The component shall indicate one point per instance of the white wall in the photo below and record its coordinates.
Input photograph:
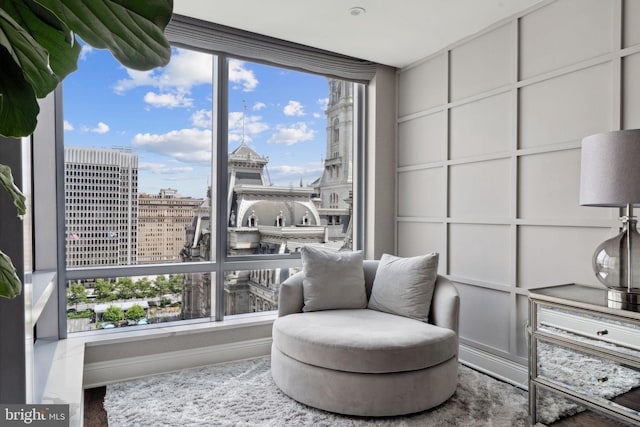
(488, 160)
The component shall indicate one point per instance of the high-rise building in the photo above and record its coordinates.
(335, 185)
(162, 221)
(101, 213)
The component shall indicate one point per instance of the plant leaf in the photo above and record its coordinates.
(10, 284)
(52, 34)
(18, 105)
(6, 180)
(25, 50)
(132, 31)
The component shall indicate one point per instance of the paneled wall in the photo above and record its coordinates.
(488, 160)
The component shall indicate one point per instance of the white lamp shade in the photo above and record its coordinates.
(610, 169)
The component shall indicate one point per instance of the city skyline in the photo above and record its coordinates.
(164, 116)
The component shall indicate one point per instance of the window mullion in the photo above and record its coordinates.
(221, 86)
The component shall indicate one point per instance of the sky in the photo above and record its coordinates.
(165, 117)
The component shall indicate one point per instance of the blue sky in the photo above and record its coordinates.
(164, 116)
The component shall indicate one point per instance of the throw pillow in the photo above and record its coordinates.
(404, 286)
(332, 280)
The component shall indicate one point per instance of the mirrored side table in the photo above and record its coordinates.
(584, 356)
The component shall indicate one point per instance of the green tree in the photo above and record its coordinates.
(76, 294)
(175, 284)
(161, 285)
(39, 48)
(136, 312)
(103, 291)
(143, 288)
(125, 288)
(113, 314)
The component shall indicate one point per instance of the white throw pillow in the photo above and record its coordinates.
(404, 286)
(333, 280)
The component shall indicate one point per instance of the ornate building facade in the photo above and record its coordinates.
(267, 219)
(162, 221)
(334, 187)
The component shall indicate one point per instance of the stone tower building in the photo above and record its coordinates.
(336, 183)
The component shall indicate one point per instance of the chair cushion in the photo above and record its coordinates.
(363, 340)
(332, 280)
(404, 286)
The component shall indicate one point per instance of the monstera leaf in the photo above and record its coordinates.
(39, 48)
(10, 284)
(6, 181)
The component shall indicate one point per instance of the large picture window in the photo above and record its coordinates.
(190, 189)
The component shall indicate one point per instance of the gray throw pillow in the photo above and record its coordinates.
(332, 280)
(404, 286)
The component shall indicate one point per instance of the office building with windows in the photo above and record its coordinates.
(101, 206)
(162, 220)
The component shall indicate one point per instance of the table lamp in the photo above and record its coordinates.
(610, 177)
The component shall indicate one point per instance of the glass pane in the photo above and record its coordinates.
(252, 291)
(290, 162)
(609, 382)
(138, 160)
(117, 302)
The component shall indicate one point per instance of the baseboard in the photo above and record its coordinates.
(498, 367)
(102, 373)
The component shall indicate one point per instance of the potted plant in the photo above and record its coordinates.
(39, 47)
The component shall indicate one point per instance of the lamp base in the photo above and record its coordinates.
(624, 299)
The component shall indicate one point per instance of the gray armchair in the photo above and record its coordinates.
(365, 362)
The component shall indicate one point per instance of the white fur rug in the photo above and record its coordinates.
(244, 394)
(579, 372)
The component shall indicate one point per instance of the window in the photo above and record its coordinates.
(189, 190)
(335, 142)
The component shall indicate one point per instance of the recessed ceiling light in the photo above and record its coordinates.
(357, 11)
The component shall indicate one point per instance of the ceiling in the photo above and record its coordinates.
(391, 32)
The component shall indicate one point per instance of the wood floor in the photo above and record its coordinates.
(630, 399)
(96, 416)
(94, 413)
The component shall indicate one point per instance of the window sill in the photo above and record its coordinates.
(69, 370)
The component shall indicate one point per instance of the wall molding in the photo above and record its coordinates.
(495, 366)
(102, 373)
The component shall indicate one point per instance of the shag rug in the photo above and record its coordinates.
(244, 394)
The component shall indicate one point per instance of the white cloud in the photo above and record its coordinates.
(102, 128)
(85, 51)
(186, 145)
(317, 115)
(161, 168)
(258, 106)
(186, 69)
(292, 134)
(68, 126)
(168, 100)
(202, 119)
(253, 125)
(136, 79)
(240, 75)
(289, 170)
(294, 108)
(292, 174)
(237, 137)
(323, 103)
